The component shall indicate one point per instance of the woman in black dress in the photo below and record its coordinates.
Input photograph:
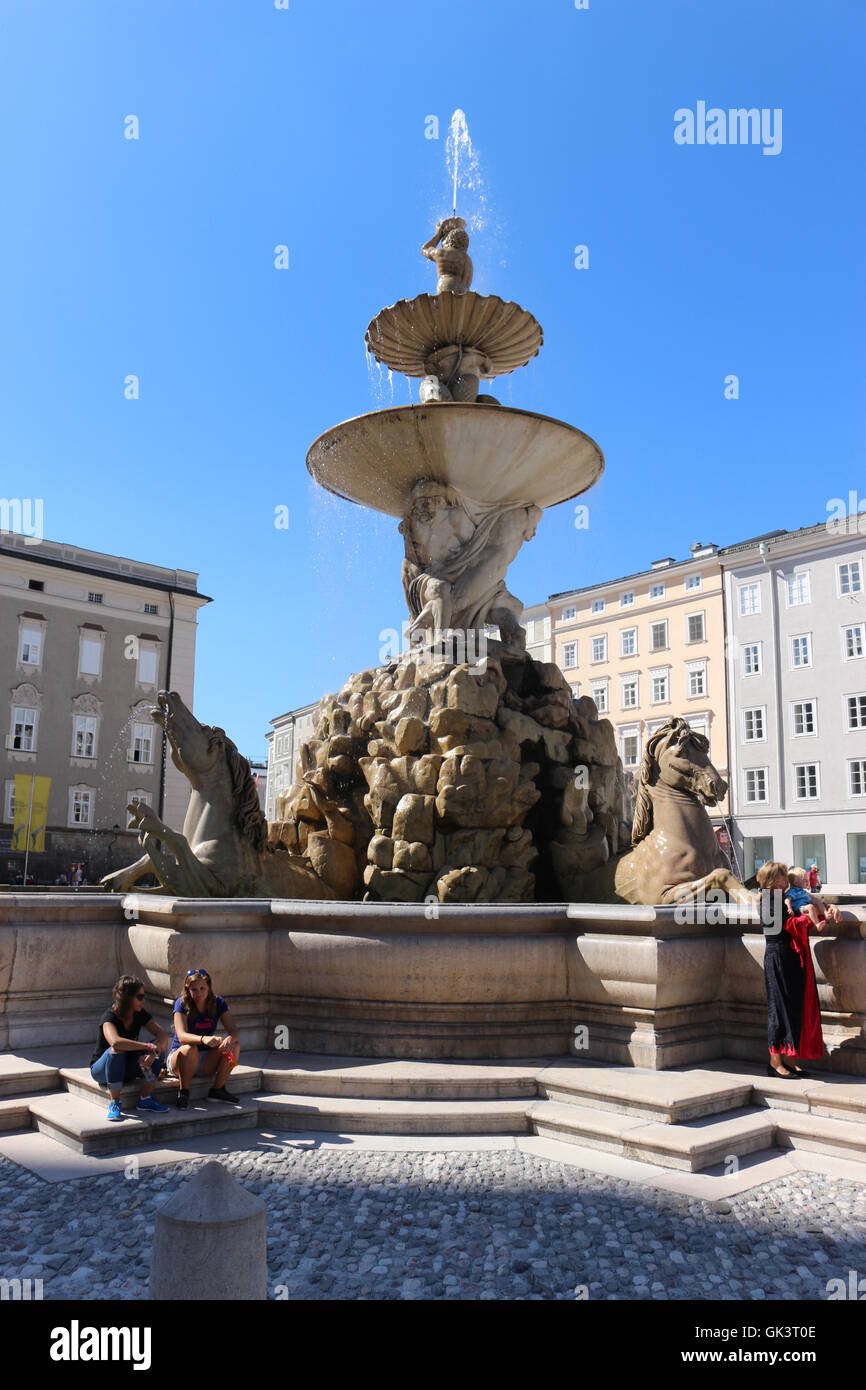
(787, 982)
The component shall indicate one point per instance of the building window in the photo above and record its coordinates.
(142, 743)
(80, 806)
(148, 663)
(94, 598)
(754, 725)
(30, 646)
(599, 648)
(806, 786)
(801, 650)
(693, 582)
(809, 850)
(857, 776)
(598, 605)
(628, 692)
(570, 653)
(627, 600)
(756, 783)
(628, 641)
(856, 711)
(152, 608)
(852, 641)
(757, 850)
(798, 589)
(659, 635)
(695, 627)
(38, 584)
(23, 729)
(90, 655)
(696, 679)
(657, 591)
(856, 858)
(850, 578)
(9, 802)
(575, 690)
(568, 614)
(660, 686)
(84, 736)
(629, 747)
(137, 794)
(803, 718)
(598, 691)
(750, 599)
(752, 659)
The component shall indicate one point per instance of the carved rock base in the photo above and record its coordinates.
(462, 783)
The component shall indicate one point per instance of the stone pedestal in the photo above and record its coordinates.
(209, 1242)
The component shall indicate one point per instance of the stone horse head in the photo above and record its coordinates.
(216, 771)
(677, 757)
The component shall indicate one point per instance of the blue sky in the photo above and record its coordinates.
(306, 127)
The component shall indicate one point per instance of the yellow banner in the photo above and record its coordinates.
(38, 812)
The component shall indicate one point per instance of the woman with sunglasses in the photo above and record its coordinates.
(119, 1057)
(197, 1013)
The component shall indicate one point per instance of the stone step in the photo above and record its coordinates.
(587, 1125)
(665, 1096)
(79, 1082)
(825, 1092)
(303, 1074)
(353, 1115)
(23, 1075)
(15, 1111)
(840, 1100)
(82, 1126)
(821, 1134)
(692, 1147)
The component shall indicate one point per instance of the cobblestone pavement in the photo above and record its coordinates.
(460, 1225)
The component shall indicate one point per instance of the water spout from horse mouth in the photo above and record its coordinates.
(715, 791)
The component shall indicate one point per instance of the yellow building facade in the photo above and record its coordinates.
(649, 646)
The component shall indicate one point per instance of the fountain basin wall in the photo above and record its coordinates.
(382, 980)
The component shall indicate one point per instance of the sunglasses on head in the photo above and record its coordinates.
(201, 972)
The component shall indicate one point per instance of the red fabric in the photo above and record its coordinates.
(811, 1038)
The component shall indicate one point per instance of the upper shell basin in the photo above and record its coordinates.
(404, 335)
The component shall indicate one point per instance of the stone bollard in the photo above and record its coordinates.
(209, 1241)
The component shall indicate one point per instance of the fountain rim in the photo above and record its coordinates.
(419, 410)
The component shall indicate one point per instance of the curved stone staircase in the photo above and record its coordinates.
(691, 1119)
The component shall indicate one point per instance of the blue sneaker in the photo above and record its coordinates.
(114, 1112)
(148, 1103)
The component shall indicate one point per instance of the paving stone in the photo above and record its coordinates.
(462, 1224)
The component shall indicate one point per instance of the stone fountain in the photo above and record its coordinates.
(457, 764)
(458, 870)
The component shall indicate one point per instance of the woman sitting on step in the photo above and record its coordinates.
(197, 1013)
(119, 1058)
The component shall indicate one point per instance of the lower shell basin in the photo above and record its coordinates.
(490, 453)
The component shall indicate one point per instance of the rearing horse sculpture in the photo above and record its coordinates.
(223, 851)
(675, 856)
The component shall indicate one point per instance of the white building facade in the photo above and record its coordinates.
(796, 666)
(285, 737)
